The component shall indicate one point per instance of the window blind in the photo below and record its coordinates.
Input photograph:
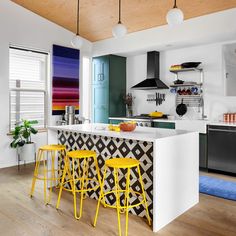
(27, 82)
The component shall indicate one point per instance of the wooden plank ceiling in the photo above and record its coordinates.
(98, 16)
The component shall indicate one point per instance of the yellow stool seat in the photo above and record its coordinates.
(53, 147)
(125, 192)
(81, 154)
(48, 174)
(121, 163)
(76, 174)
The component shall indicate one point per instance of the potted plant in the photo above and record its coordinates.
(22, 139)
(128, 100)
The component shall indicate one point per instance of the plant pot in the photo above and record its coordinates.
(27, 152)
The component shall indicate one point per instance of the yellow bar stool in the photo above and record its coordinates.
(116, 164)
(79, 160)
(45, 154)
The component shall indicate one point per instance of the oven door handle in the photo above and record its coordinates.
(223, 130)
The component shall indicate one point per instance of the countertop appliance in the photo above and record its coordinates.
(222, 148)
(153, 74)
(70, 115)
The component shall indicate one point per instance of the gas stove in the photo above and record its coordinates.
(146, 120)
(147, 117)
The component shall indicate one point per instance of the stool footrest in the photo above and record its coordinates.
(80, 190)
(120, 206)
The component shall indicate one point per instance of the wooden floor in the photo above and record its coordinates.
(21, 215)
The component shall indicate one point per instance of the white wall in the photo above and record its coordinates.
(19, 26)
(182, 43)
(212, 61)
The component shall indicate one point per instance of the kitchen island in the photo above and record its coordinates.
(168, 160)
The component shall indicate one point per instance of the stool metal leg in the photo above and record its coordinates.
(100, 197)
(66, 166)
(82, 190)
(61, 154)
(144, 197)
(85, 171)
(44, 179)
(98, 172)
(52, 177)
(86, 177)
(36, 170)
(98, 176)
(127, 202)
(117, 198)
(70, 176)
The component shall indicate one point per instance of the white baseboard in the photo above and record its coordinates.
(14, 163)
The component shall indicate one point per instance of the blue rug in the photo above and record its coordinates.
(217, 187)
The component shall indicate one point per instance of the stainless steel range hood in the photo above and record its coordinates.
(153, 74)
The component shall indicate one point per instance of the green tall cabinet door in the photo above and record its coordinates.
(109, 87)
(117, 86)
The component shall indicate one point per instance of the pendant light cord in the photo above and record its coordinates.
(77, 33)
(175, 4)
(119, 22)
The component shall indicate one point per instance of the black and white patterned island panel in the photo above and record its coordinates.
(168, 163)
(108, 147)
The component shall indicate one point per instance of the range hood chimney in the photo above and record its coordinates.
(153, 74)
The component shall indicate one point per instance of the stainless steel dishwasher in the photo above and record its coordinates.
(222, 148)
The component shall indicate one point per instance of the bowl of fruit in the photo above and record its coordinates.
(128, 126)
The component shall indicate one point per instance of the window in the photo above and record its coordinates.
(28, 86)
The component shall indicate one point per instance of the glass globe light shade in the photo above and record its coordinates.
(174, 17)
(77, 41)
(119, 30)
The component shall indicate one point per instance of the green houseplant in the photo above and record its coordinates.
(22, 133)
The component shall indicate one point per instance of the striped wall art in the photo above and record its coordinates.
(65, 84)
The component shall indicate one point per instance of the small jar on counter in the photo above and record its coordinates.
(226, 117)
(230, 117)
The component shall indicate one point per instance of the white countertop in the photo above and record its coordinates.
(222, 123)
(140, 133)
(180, 124)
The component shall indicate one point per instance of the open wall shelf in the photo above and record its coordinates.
(194, 100)
(186, 69)
(186, 85)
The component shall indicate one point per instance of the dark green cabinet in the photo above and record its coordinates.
(115, 122)
(109, 87)
(203, 151)
(164, 125)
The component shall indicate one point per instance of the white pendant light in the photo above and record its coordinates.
(174, 16)
(119, 30)
(77, 41)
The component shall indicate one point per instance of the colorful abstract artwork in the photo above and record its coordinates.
(65, 84)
